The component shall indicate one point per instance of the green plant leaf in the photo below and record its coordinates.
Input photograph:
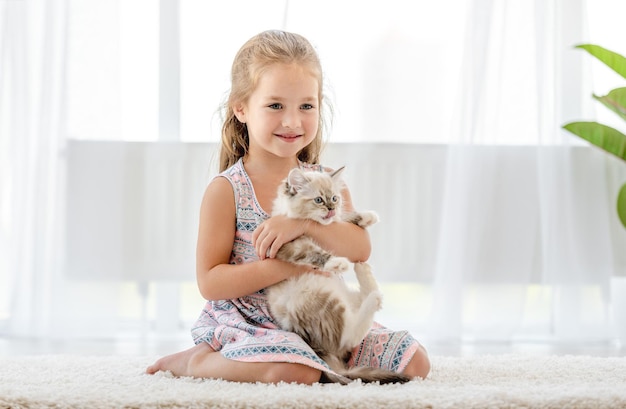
(615, 101)
(605, 137)
(612, 59)
(621, 204)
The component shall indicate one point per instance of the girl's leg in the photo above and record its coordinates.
(419, 365)
(201, 361)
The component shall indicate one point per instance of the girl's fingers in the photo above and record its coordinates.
(264, 245)
(273, 249)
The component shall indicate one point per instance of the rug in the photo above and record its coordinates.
(490, 381)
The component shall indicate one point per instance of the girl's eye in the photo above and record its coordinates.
(306, 107)
(275, 106)
(318, 200)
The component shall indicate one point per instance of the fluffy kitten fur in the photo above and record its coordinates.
(332, 318)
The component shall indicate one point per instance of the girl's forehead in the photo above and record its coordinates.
(288, 77)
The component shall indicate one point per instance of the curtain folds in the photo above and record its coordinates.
(524, 250)
(32, 73)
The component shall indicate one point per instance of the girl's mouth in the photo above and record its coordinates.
(288, 137)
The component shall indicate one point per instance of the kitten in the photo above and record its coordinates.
(332, 318)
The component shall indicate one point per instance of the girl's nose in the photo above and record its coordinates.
(291, 119)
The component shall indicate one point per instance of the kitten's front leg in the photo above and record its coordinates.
(362, 219)
(305, 251)
(327, 262)
(336, 265)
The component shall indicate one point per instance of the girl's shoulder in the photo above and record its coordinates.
(234, 169)
(235, 175)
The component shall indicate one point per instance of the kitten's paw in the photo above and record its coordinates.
(375, 300)
(362, 269)
(336, 265)
(368, 218)
(361, 219)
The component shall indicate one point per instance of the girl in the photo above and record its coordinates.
(273, 123)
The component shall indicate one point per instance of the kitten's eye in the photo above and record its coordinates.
(318, 200)
(335, 199)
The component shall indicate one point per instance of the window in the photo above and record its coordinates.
(112, 70)
(114, 53)
(398, 64)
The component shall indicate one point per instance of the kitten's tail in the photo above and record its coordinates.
(366, 375)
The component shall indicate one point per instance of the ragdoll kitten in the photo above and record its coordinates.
(330, 317)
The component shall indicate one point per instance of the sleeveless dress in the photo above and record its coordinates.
(242, 329)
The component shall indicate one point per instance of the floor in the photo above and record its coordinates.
(158, 345)
(150, 345)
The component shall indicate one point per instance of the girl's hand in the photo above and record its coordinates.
(270, 236)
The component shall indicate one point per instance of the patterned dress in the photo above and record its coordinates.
(242, 329)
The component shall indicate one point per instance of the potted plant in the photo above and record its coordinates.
(602, 136)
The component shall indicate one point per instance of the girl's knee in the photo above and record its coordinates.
(419, 366)
(292, 373)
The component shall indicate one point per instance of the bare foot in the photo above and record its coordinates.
(178, 363)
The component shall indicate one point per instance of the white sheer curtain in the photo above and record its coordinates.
(32, 75)
(37, 296)
(506, 248)
(524, 248)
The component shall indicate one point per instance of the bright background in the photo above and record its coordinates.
(497, 224)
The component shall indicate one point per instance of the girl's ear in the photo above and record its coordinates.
(240, 112)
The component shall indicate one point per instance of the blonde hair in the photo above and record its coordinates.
(252, 59)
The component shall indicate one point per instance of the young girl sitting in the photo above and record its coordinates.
(273, 123)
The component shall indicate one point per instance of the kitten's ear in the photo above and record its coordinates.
(337, 173)
(296, 180)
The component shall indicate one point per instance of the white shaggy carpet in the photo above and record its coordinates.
(490, 381)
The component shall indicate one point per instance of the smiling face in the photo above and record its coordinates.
(282, 114)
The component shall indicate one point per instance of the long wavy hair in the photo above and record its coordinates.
(252, 60)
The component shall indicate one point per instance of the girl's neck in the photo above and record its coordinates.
(266, 175)
(269, 166)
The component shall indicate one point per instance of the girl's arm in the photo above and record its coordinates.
(340, 238)
(217, 279)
